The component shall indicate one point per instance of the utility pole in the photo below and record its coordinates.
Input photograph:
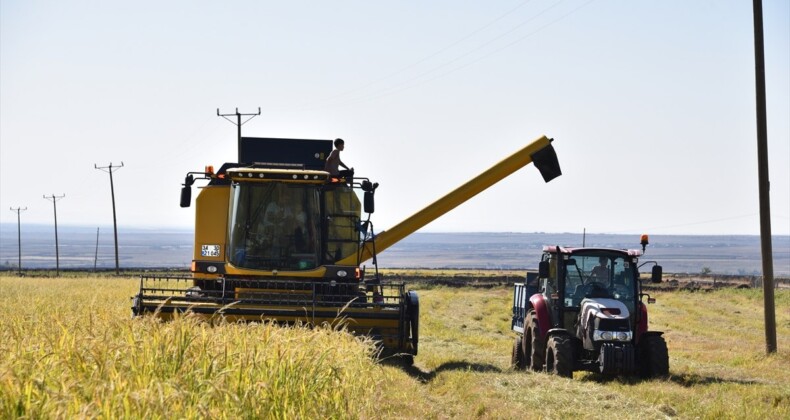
(109, 170)
(19, 210)
(763, 181)
(55, 199)
(96, 255)
(238, 124)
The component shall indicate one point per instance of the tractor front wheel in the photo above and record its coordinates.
(559, 356)
(654, 356)
(534, 347)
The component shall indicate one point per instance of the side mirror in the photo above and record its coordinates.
(369, 202)
(656, 274)
(370, 189)
(543, 269)
(186, 196)
(186, 190)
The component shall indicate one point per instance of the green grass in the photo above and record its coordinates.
(71, 349)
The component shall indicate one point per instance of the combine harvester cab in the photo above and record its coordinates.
(584, 311)
(277, 238)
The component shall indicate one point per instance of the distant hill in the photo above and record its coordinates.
(172, 248)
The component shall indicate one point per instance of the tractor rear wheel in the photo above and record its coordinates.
(559, 356)
(654, 356)
(534, 347)
(517, 359)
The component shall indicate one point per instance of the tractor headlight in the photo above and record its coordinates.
(611, 335)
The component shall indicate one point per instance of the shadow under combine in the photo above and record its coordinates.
(425, 377)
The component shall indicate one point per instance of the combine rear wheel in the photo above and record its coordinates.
(654, 356)
(559, 356)
(534, 347)
(517, 359)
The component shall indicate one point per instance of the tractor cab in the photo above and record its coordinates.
(587, 275)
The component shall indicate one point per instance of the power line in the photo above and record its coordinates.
(54, 198)
(109, 169)
(480, 47)
(428, 57)
(404, 85)
(701, 222)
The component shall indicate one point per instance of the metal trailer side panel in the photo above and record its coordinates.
(519, 308)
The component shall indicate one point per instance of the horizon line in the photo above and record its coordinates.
(189, 229)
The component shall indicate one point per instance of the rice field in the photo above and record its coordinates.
(71, 350)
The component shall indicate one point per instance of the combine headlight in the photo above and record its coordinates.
(611, 335)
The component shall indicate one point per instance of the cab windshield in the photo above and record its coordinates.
(274, 226)
(601, 276)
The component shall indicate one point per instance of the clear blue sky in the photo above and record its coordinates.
(651, 105)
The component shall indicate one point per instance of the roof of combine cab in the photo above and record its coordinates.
(308, 154)
(277, 154)
(571, 250)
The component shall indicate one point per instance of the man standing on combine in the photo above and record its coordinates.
(333, 162)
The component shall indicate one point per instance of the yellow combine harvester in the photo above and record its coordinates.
(277, 238)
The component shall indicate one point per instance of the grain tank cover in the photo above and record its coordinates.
(310, 153)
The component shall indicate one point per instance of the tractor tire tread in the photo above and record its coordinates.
(534, 345)
(518, 358)
(559, 356)
(654, 357)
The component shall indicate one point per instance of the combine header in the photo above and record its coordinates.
(278, 238)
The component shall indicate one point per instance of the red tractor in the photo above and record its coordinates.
(584, 311)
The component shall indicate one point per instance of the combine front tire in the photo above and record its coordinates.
(654, 356)
(559, 356)
(517, 359)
